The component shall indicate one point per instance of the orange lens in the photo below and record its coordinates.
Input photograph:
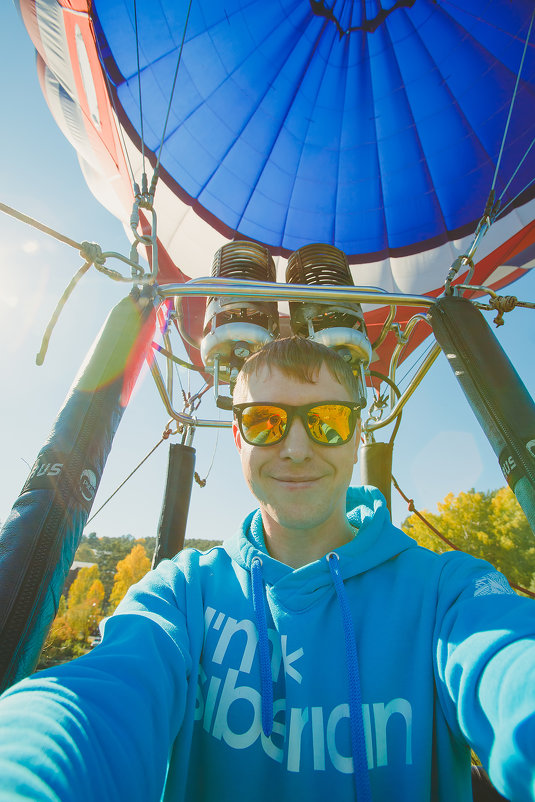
(264, 425)
(330, 423)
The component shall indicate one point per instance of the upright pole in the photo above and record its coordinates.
(376, 468)
(497, 395)
(40, 537)
(175, 506)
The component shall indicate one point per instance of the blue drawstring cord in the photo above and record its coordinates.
(358, 740)
(266, 684)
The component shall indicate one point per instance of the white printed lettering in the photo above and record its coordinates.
(381, 714)
(291, 658)
(219, 620)
(366, 718)
(289, 742)
(340, 762)
(298, 720)
(208, 615)
(231, 627)
(229, 695)
(276, 654)
(318, 740)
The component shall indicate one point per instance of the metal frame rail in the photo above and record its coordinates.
(273, 291)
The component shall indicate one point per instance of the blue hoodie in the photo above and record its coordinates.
(227, 675)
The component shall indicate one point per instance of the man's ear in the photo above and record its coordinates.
(236, 434)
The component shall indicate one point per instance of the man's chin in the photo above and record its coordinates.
(302, 520)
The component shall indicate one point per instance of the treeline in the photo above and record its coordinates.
(113, 565)
(489, 525)
(106, 552)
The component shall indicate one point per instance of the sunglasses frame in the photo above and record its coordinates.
(301, 412)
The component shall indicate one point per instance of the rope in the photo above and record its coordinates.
(479, 18)
(412, 508)
(415, 363)
(93, 255)
(502, 304)
(196, 397)
(139, 88)
(518, 194)
(172, 89)
(165, 436)
(520, 163)
(202, 482)
(512, 102)
(492, 208)
(89, 251)
(361, 776)
(24, 218)
(380, 402)
(40, 358)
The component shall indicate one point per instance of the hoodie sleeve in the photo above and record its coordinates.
(101, 727)
(485, 667)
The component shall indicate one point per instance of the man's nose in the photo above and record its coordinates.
(297, 445)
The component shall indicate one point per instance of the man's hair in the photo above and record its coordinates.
(299, 359)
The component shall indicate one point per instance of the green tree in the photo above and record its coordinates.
(78, 616)
(76, 621)
(84, 605)
(201, 544)
(60, 644)
(149, 544)
(85, 553)
(489, 525)
(129, 571)
(82, 585)
(107, 551)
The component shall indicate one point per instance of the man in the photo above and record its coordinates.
(316, 655)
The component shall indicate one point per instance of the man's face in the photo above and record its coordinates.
(299, 484)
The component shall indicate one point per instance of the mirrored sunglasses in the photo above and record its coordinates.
(331, 423)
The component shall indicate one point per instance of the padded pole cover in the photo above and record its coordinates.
(494, 390)
(40, 537)
(174, 515)
(376, 468)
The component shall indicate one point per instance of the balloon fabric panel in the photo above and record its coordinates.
(378, 134)
(289, 134)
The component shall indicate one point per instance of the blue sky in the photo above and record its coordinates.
(439, 447)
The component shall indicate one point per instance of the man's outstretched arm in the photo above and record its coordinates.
(486, 672)
(100, 728)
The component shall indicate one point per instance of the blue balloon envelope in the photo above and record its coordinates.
(373, 126)
(297, 122)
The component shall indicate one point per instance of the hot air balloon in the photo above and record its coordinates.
(374, 127)
(390, 132)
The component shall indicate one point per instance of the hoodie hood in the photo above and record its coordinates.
(376, 541)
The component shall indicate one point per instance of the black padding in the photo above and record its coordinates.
(174, 515)
(497, 395)
(376, 468)
(40, 537)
